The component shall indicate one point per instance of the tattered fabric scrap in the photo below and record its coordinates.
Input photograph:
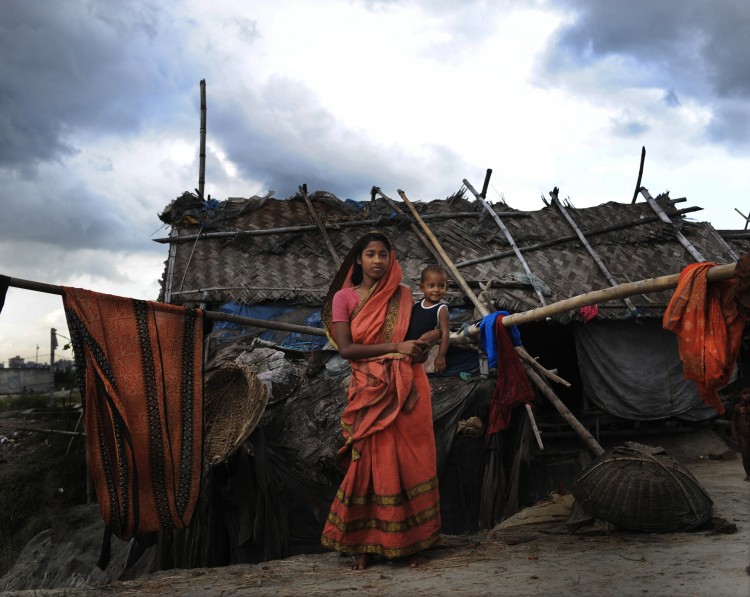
(512, 387)
(139, 367)
(588, 312)
(709, 329)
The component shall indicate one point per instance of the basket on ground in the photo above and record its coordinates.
(642, 488)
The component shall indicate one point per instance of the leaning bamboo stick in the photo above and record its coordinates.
(504, 229)
(577, 426)
(319, 224)
(689, 247)
(469, 293)
(572, 237)
(52, 431)
(594, 255)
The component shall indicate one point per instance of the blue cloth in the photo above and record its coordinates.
(487, 336)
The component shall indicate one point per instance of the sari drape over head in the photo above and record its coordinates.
(388, 502)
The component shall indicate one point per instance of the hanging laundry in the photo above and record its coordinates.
(487, 336)
(139, 367)
(709, 329)
(588, 312)
(513, 387)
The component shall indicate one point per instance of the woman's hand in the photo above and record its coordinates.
(439, 365)
(412, 348)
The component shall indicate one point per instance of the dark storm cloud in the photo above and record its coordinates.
(72, 67)
(690, 48)
(305, 144)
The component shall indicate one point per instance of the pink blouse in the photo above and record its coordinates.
(344, 303)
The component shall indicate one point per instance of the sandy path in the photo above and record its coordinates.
(541, 562)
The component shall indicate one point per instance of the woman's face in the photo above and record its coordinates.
(375, 260)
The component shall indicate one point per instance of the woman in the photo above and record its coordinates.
(388, 502)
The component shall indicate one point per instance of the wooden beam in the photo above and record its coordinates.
(319, 224)
(412, 225)
(594, 255)
(508, 237)
(665, 218)
(564, 239)
(394, 221)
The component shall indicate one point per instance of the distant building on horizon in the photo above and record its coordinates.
(16, 362)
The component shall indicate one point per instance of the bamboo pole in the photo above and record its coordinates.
(564, 239)
(465, 287)
(582, 432)
(594, 255)
(52, 431)
(202, 171)
(393, 221)
(319, 224)
(429, 246)
(447, 260)
(665, 218)
(508, 236)
(212, 315)
(715, 274)
(640, 175)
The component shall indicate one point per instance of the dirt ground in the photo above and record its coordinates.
(541, 559)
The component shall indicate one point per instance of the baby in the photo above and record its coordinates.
(431, 314)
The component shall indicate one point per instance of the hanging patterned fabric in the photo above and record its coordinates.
(709, 327)
(139, 367)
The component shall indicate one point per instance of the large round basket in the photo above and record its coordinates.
(234, 399)
(643, 489)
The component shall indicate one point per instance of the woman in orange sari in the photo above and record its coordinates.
(388, 502)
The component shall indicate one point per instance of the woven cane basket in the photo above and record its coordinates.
(643, 489)
(234, 400)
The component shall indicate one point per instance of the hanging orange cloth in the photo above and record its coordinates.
(709, 329)
(139, 367)
(388, 502)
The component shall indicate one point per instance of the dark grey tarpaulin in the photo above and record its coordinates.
(633, 370)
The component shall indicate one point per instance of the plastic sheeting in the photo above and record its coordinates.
(633, 370)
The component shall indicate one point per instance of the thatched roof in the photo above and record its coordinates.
(294, 266)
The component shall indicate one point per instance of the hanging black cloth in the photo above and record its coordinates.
(4, 283)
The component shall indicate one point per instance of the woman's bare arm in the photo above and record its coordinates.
(351, 351)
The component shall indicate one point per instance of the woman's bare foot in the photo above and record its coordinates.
(361, 562)
(418, 560)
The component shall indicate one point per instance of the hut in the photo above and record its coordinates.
(273, 260)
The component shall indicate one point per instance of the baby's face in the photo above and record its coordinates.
(745, 395)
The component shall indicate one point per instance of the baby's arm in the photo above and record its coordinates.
(445, 333)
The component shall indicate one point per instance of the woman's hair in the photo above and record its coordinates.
(359, 248)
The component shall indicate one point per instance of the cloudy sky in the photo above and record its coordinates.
(100, 116)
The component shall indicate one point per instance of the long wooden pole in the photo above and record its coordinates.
(689, 247)
(319, 224)
(393, 221)
(594, 255)
(469, 293)
(504, 229)
(569, 237)
(202, 166)
(715, 274)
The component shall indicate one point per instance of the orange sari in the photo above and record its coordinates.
(388, 502)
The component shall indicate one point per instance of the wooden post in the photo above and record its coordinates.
(745, 217)
(640, 175)
(665, 218)
(319, 224)
(508, 237)
(603, 268)
(202, 171)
